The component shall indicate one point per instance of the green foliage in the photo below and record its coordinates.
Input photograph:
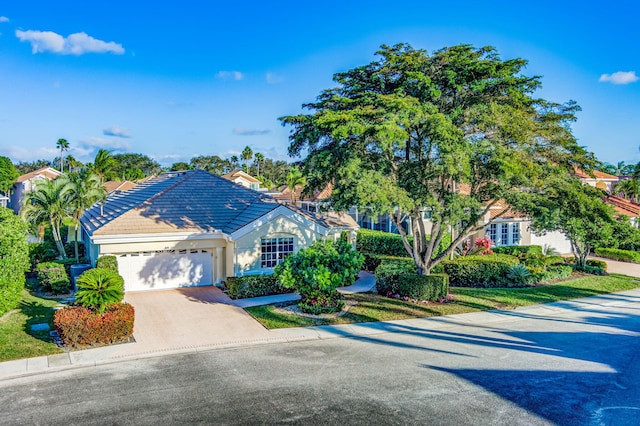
(480, 271)
(70, 261)
(411, 285)
(69, 249)
(617, 254)
(14, 259)
(518, 250)
(42, 252)
(373, 261)
(132, 166)
(553, 272)
(79, 326)
(587, 269)
(53, 277)
(98, 288)
(597, 263)
(518, 275)
(317, 271)
(253, 286)
(107, 262)
(8, 174)
(624, 236)
(380, 243)
(400, 135)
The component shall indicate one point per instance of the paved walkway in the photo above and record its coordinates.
(111, 354)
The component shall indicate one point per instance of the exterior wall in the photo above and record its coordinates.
(552, 240)
(248, 247)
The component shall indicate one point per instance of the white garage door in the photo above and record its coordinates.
(166, 269)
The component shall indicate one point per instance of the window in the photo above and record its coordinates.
(274, 250)
(515, 234)
(493, 233)
(509, 234)
(504, 235)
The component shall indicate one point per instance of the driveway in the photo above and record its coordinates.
(170, 320)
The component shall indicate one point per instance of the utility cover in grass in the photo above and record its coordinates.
(40, 327)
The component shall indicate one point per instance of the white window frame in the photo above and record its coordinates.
(275, 250)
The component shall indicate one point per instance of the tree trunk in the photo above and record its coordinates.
(55, 230)
(75, 241)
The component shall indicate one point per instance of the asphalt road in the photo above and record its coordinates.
(579, 367)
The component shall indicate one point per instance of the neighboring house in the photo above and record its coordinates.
(599, 179)
(625, 207)
(244, 179)
(4, 200)
(113, 186)
(26, 182)
(314, 203)
(193, 228)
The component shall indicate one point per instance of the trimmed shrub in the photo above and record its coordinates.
(107, 262)
(597, 263)
(70, 261)
(388, 244)
(53, 277)
(617, 254)
(317, 271)
(420, 287)
(553, 272)
(254, 286)
(79, 326)
(479, 271)
(42, 252)
(70, 249)
(372, 261)
(99, 288)
(14, 259)
(518, 250)
(593, 270)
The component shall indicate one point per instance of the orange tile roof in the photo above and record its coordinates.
(47, 172)
(500, 206)
(596, 174)
(239, 173)
(284, 193)
(623, 206)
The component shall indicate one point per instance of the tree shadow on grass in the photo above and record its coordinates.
(37, 313)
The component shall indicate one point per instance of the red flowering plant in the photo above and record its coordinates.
(484, 244)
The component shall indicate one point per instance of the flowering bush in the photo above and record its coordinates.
(79, 326)
(485, 245)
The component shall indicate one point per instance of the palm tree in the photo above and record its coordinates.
(49, 201)
(234, 161)
(247, 155)
(62, 145)
(295, 179)
(103, 164)
(85, 190)
(259, 158)
(73, 164)
(630, 188)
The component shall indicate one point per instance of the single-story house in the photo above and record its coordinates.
(26, 182)
(192, 228)
(113, 186)
(244, 179)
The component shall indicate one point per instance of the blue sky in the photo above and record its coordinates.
(177, 79)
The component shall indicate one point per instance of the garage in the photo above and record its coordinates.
(166, 269)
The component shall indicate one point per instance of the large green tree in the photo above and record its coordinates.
(449, 133)
(103, 165)
(211, 163)
(49, 201)
(8, 174)
(14, 259)
(577, 210)
(247, 155)
(134, 166)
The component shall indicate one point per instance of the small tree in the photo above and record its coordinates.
(14, 259)
(8, 174)
(317, 271)
(99, 288)
(295, 179)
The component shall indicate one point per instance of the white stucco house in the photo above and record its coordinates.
(26, 182)
(193, 228)
(244, 179)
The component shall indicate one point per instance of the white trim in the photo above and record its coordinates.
(151, 238)
(274, 214)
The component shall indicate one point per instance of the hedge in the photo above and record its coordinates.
(479, 271)
(70, 261)
(254, 286)
(518, 250)
(407, 284)
(79, 326)
(14, 259)
(387, 244)
(618, 254)
(53, 277)
(553, 272)
(107, 262)
(373, 261)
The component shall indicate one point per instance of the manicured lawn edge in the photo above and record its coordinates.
(372, 307)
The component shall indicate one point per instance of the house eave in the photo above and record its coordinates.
(165, 236)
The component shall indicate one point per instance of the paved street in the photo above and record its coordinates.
(566, 363)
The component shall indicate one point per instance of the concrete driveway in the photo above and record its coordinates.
(173, 320)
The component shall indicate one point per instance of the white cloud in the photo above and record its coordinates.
(117, 131)
(4, 19)
(273, 78)
(620, 77)
(230, 75)
(94, 142)
(74, 44)
(17, 153)
(249, 132)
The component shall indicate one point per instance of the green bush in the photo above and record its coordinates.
(553, 272)
(409, 284)
(617, 254)
(70, 261)
(317, 271)
(373, 261)
(518, 276)
(99, 288)
(597, 263)
(79, 326)
(587, 269)
(14, 259)
(518, 250)
(254, 286)
(479, 271)
(107, 262)
(53, 277)
(70, 249)
(42, 252)
(388, 244)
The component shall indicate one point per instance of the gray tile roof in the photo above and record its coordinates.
(194, 201)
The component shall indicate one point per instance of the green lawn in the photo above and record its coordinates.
(16, 338)
(372, 307)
